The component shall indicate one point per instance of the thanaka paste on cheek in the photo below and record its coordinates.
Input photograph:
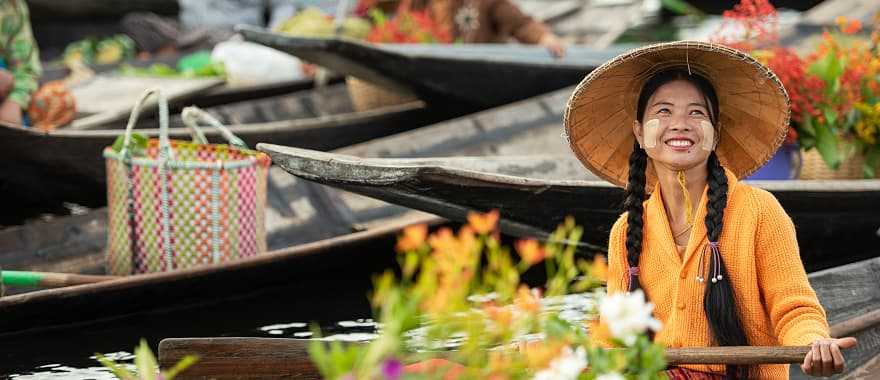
(652, 127)
(708, 135)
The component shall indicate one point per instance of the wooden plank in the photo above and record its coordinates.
(109, 98)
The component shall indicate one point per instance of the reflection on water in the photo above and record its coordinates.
(58, 371)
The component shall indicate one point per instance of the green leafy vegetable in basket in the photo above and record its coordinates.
(137, 145)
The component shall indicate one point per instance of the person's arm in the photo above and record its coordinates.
(23, 59)
(510, 20)
(599, 334)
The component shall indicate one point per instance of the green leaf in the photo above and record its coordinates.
(117, 370)
(830, 119)
(806, 127)
(681, 7)
(872, 158)
(145, 361)
(829, 67)
(136, 145)
(826, 143)
(181, 365)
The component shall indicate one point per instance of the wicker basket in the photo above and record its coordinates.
(813, 167)
(367, 96)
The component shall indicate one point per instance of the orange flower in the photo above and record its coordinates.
(442, 240)
(500, 315)
(528, 300)
(530, 251)
(848, 26)
(599, 269)
(483, 223)
(499, 363)
(413, 237)
(539, 354)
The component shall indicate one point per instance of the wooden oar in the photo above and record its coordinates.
(13, 278)
(226, 358)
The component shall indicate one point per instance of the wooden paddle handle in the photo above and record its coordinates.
(736, 355)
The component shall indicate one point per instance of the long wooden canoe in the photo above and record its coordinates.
(304, 265)
(66, 165)
(535, 193)
(485, 75)
(848, 293)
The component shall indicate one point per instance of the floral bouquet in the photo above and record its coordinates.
(406, 26)
(457, 309)
(834, 88)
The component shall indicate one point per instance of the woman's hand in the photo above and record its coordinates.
(825, 358)
(553, 44)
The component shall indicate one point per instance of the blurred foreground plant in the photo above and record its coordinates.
(460, 310)
(146, 364)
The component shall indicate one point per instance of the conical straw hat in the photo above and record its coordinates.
(753, 107)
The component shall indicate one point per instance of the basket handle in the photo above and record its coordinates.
(192, 115)
(164, 143)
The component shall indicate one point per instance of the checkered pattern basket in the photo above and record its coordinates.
(179, 204)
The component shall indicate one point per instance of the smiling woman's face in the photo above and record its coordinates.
(678, 108)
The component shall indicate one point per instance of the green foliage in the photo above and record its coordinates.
(136, 145)
(146, 365)
(459, 302)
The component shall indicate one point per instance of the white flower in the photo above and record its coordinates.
(610, 376)
(568, 366)
(627, 315)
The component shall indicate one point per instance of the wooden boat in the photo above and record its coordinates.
(66, 165)
(535, 193)
(301, 211)
(304, 265)
(848, 293)
(485, 75)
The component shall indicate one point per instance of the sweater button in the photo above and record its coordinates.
(681, 305)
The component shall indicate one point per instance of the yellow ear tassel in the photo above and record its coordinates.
(688, 206)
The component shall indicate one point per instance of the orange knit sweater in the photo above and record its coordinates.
(776, 304)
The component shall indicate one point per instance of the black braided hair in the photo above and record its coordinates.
(635, 195)
(719, 301)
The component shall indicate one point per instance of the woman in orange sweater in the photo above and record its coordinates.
(679, 122)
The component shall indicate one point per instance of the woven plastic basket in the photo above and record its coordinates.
(366, 96)
(178, 204)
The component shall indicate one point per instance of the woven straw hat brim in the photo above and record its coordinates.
(753, 107)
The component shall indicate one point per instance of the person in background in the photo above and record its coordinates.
(20, 66)
(487, 21)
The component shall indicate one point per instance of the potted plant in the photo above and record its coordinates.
(834, 89)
